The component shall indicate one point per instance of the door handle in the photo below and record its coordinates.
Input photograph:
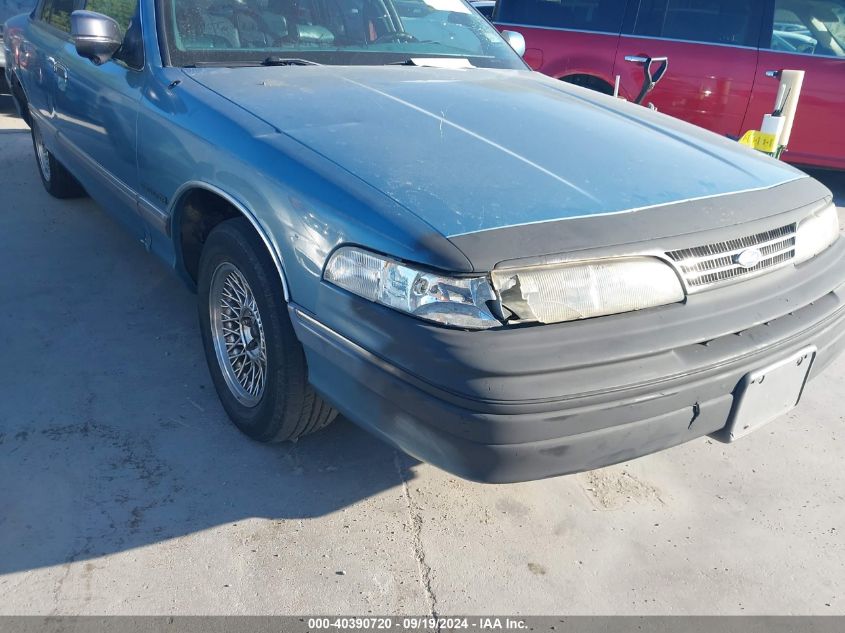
(642, 59)
(61, 74)
(774, 74)
(650, 77)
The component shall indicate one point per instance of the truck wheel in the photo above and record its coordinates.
(57, 180)
(256, 362)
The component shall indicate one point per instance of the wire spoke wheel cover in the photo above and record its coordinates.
(43, 155)
(238, 334)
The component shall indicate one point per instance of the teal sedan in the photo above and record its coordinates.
(385, 213)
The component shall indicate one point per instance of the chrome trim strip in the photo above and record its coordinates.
(737, 279)
(695, 275)
(43, 121)
(157, 218)
(242, 208)
(678, 41)
(812, 55)
(116, 184)
(626, 35)
(154, 216)
(557, 28)
(698, 277)
(634, 210)
(692, 261)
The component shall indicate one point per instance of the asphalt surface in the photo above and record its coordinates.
(125, 490)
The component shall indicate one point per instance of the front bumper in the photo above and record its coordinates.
(522, 404)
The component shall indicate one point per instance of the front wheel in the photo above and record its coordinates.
(256, 362)
(57, 180)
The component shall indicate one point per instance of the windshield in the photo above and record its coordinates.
(11, 8)
(346, 32)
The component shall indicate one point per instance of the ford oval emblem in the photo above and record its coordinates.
(749, 258)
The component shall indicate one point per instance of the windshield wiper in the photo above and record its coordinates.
(435, 62)
(269, 61)
(288, 61)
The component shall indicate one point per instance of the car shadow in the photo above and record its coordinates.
(111, 435)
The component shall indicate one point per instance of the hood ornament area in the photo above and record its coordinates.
(749, 258)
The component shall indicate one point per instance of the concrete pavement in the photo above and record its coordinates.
(125, 490)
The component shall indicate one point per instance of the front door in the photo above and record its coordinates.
(712, 51)
(98, 107)
(806, 35)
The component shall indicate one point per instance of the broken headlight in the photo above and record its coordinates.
(463, 302)
(816, 233)
(581, 290)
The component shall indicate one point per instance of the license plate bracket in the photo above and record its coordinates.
(768, 393)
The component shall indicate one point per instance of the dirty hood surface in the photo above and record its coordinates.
(475, 150)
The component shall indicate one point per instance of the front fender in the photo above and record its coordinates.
(302, 204)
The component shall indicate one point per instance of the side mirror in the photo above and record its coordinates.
(516, 41)
(96, 36)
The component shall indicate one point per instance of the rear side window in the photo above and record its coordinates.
(811, 28)
(731, 22)
(57, 13)
(583, 15)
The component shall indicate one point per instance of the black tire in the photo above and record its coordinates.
(288, 407)
(57, 180)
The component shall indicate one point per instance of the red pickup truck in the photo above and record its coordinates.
(722, 54)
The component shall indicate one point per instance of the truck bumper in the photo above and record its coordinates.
(506, 406)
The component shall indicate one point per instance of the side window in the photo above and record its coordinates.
(812, 28)
(126, 14)
(121, 11)
(486, 10)
(57, 14)
(733, 22)
(583, 15)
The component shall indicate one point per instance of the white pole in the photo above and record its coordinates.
(794, 81)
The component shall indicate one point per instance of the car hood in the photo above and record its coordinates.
(476, 150)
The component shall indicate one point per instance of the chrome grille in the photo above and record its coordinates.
(704, 266)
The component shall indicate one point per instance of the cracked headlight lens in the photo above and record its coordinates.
(582, 290)
(816, 233)
(463, 302)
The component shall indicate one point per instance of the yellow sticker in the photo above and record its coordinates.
(760, 141)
